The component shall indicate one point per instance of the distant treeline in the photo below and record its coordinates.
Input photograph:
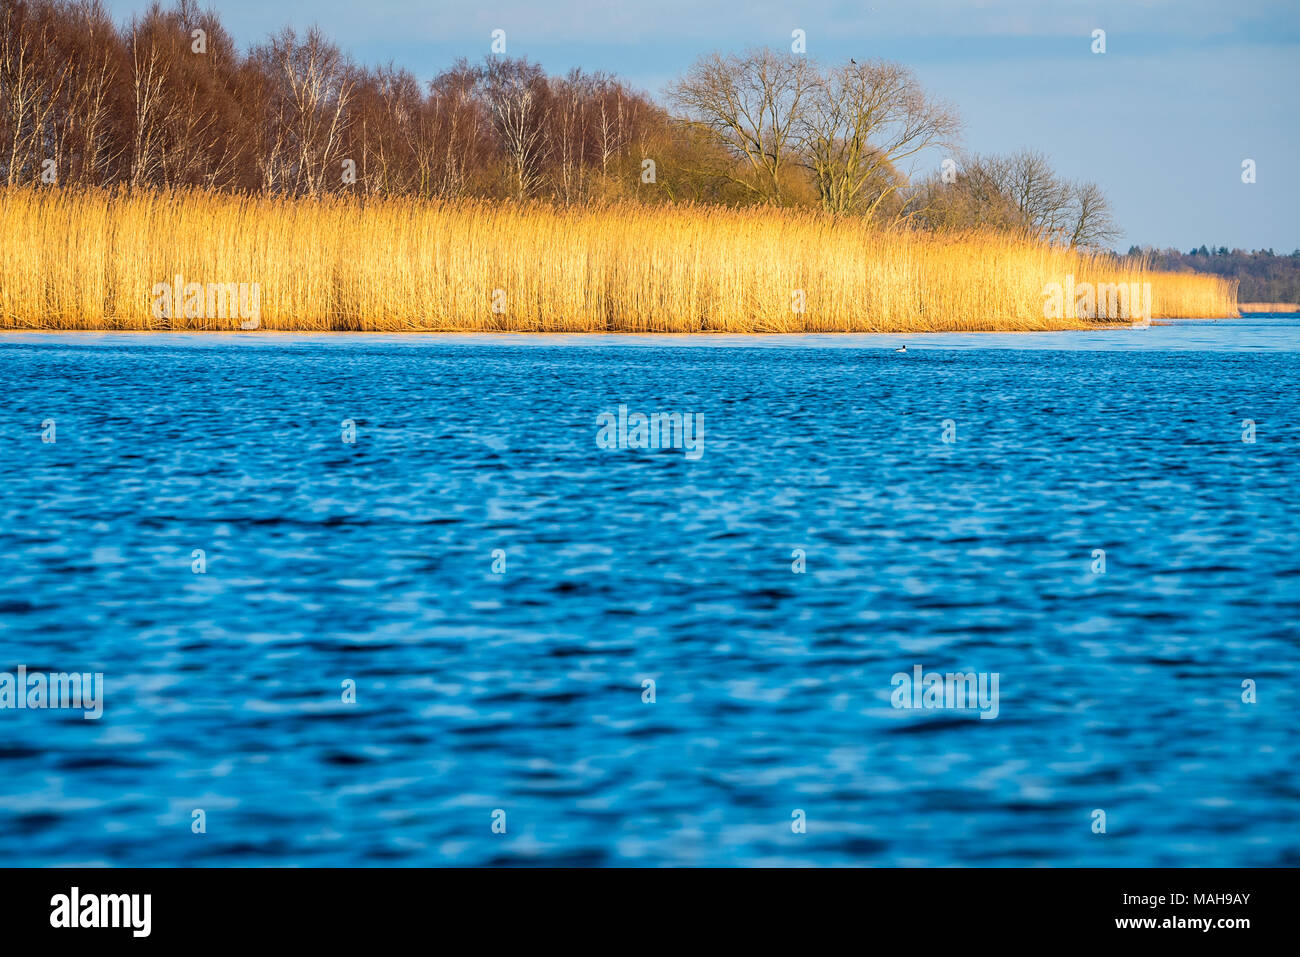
(1264, 275)
(167, 101)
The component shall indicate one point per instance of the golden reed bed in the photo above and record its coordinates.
(94, 259)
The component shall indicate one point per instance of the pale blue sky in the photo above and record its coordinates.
(1186, 90)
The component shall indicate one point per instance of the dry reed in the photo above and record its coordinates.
(90, 259)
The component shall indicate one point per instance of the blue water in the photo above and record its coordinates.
(371, 562)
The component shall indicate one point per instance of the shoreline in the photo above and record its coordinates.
(593, 334)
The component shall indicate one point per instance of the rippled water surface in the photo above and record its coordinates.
(372, 562)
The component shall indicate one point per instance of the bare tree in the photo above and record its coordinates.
(1042, 197)
(316, 84)
(616, 120)
(972, 199)
(382, 133)
(454, 134)
(571, 132)
(87, 142)
(1091, 224)
(1051, 208)
(1022, 192)
(151, 58)
(31, 86)
(518, 99)
(204, 141)
(862, 122)
(753, 102)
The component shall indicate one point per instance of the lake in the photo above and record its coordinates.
(394, 601)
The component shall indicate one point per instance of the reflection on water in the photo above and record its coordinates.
(372, 562)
